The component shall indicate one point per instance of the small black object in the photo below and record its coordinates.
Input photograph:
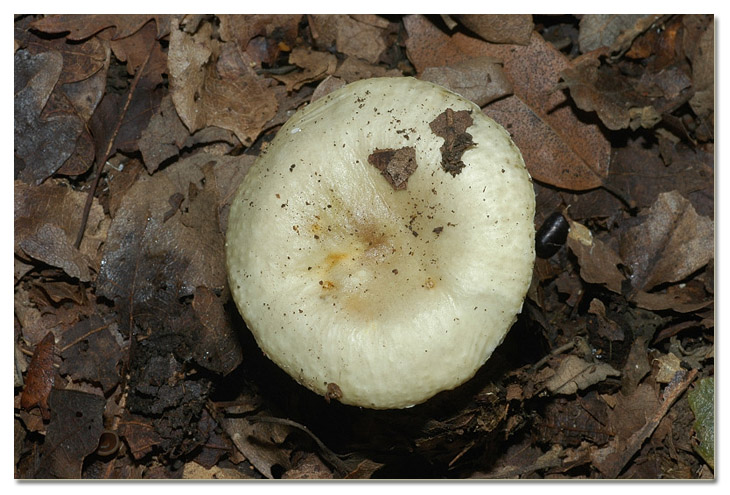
(551, 235)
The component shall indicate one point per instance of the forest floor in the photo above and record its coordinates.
(131, 135)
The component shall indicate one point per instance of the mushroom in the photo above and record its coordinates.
(381, 246)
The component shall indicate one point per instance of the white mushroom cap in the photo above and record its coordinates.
(381, 293)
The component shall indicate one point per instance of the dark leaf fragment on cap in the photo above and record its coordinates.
(395, 165)
(452, 127)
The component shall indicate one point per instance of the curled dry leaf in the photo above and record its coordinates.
(669, 244)
(559, 148)
(212, 84)
(683, 298)
(316, 65)
(598, 262)
(622, 102)
(40, 376)
(575, 374)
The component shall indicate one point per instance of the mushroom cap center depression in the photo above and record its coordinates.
(358, 257)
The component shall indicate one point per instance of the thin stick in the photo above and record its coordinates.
(330, 456)
(107, 152)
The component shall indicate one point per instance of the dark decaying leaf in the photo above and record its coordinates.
(72, 434)
(623, 102)
(569, 423)
(642, 175)
(43, 142)
(218, 347)
(216, 444)
(91, 351)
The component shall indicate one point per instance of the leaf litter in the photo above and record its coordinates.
(131, 134)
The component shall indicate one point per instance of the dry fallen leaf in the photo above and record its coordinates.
(164, 136)
(261, 36)
(575, 374)
(260, 443)
(316, 65)
(480, 79)
(213, 84)
(354, 69)
(41, 376)
(359, 37)
(499, 28)
(83, 26)
(598, 262)
(598, 30)
(50, 215)
(559, 147)
(669, 244)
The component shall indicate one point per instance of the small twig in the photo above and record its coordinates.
(278, 71)
(329, 455)
(615, 462)
(554, 352)
(110, 144)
